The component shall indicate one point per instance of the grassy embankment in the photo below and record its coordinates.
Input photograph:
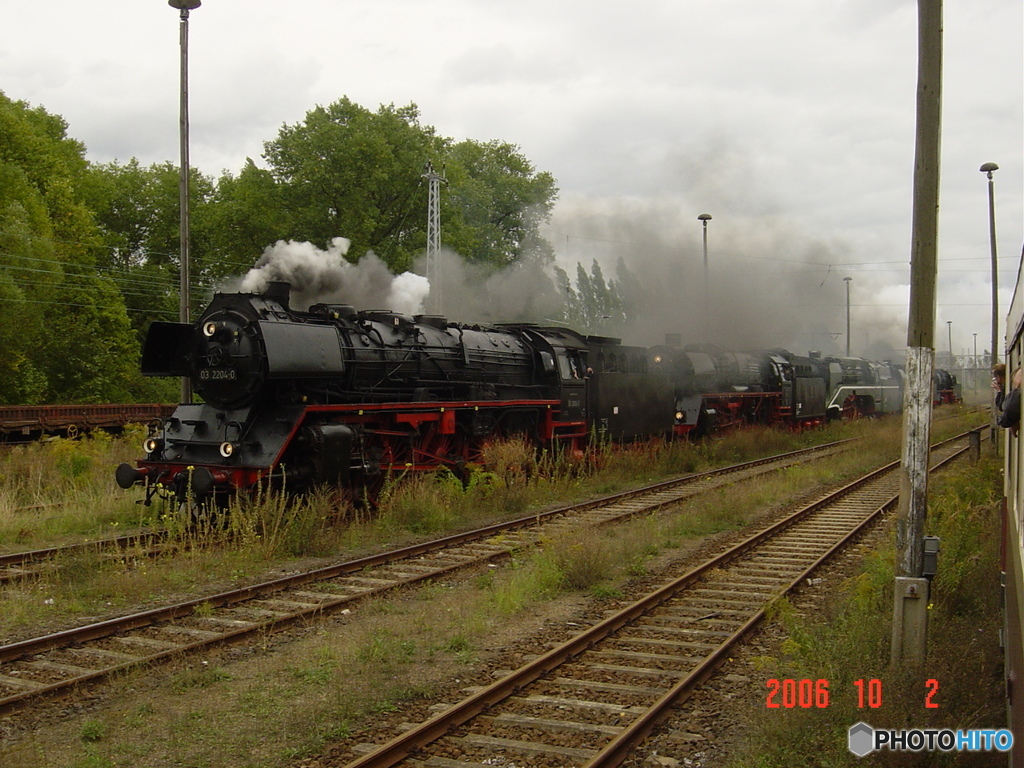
(64, 492)
(390, 652)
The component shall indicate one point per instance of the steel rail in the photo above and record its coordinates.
(145, 538)
(419, 736)
(14, 565)
(79, 635)
(621, 746)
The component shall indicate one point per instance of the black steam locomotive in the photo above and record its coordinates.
(332, 395)
(336, 396)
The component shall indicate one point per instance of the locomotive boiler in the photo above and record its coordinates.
(947, 388)
(332, 395)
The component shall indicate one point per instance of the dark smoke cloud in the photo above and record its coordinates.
(469, 292)
(768, 284)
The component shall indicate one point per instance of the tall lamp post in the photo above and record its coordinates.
(847, 281)
(704, 218)
(949, 329)
(184, 6)
(988, 169)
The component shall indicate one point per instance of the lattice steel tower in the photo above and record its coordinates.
(434, 181)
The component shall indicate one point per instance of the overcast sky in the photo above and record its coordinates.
(791, 122)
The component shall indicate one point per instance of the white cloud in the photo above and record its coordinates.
(792, 122)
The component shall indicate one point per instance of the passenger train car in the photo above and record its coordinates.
(1013, 536)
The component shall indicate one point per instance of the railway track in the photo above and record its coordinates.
(590, 701)
(17, 566)
(53, 664)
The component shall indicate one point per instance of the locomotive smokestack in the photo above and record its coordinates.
(279, 291)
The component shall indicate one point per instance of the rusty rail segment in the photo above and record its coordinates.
(15, 566)
(25, 564)
(53, 663)
(656, 650)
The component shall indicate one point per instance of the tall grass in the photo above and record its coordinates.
(390, 651)
(64, 491)
(53, 491)
(272, 524)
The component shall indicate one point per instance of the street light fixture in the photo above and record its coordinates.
(988, 169)
(184, 6)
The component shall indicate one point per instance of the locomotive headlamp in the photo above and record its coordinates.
(209, 329)
(657, 358)
(679, 415)
(151, 445)
(227, 450)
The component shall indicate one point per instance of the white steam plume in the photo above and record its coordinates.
(318, 276)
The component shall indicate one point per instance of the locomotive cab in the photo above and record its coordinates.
(561, 358)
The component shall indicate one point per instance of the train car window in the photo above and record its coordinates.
(569, 366)
(1013, 446)
(563, 367)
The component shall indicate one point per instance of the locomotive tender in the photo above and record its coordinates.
(342, 397)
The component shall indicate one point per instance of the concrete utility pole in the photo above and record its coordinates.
(704, 218)
(910, 619)
(434, 181)
(847, 281)
(184, 6)
(988, 169)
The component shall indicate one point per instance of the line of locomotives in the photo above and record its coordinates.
(342, 397)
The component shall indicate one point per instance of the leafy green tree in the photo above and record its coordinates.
(57, 312)
(247, 214)
(349, 172)
(495, 204)
(138, 212)
(595, 304)
(90, 348)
